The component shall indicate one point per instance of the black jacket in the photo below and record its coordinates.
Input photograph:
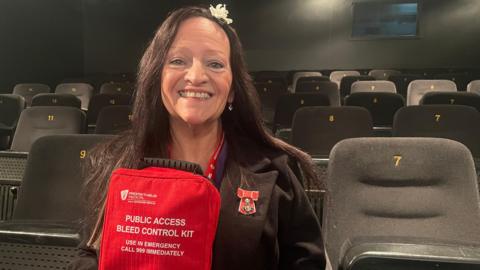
(283, 234)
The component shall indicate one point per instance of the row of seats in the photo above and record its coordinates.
(12, 105)
(401, 79)
(317, 129)
(83, 91)
(38, 121)
(389, 202)
(382, 105)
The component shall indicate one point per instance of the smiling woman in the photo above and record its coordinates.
(196, 82)
(195, 101)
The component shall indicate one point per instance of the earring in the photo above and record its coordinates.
(230, 106)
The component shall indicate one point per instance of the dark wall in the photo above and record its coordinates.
(286, 34)
(48, 40)
(40, 41)
(316, 35)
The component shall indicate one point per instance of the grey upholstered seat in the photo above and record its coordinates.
(336, 76)
(82, 91)
(454, 98)
(327, 87)
(54, 99)
(402, 203)
(418, 88)
(117, 88)
(11, 106)
(455, 122)
(316, 130)
(474, 87)
(301, 74)
(36, 122)
(28, 90)
(373, 86)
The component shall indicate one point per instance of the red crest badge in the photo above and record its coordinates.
(247, 201)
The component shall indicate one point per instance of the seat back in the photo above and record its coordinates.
(54, 177)
(114, 119)
(402, 81)
(50, 99)
(418, 88)
(373, 86)
(316, 130)
(28, 90)
(288, 104)
(98, 102)
(336, 76)
(383, 74)
(458, 98)
(400, 190)
(117, 88)
(347, 81)
(302, 74)
(382, 106)
(455, 122)
(460, 79)
(10, 108)
(474, 87)
(36, 122)
(327, 87)
(82, 91)
(269, 93)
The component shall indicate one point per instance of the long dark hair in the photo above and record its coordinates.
(150, 133)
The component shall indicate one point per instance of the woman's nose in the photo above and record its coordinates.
(196, 73)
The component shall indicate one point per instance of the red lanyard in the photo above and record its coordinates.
(210, 171)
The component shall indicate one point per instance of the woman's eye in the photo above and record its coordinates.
(177, 62)
(216, 65)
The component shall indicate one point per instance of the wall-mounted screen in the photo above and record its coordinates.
(385, 19)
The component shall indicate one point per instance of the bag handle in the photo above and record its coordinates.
(171, 163)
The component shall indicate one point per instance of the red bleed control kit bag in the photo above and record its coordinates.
(159, 218)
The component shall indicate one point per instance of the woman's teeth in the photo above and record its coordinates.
(191, 94)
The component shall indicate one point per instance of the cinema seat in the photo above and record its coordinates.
(98, 102)
(50, 99)
(316, 130)
(303, 74)
(401, 203)
(269, 93)
(456, 98)
(373, 86)
(288, 104)
(455, 122)
(418, 88)
(10, 108)
(36, 122)
(474, 87)
(383, 74)
(28, 90)
(117, 88)
(82, 91)
(44, 230)
(381, 105)
(347, 81)
(113, 119)
(336, 76)
(402, 81)
(327, 87)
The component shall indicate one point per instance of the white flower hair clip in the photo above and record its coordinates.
(220, 12)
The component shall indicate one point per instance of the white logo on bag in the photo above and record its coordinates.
(138, 197)
(124, 194)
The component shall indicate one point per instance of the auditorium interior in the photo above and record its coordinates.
(384, 95)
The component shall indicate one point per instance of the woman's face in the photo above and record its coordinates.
(197, 77)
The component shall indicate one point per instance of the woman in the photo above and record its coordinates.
(194, 97)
